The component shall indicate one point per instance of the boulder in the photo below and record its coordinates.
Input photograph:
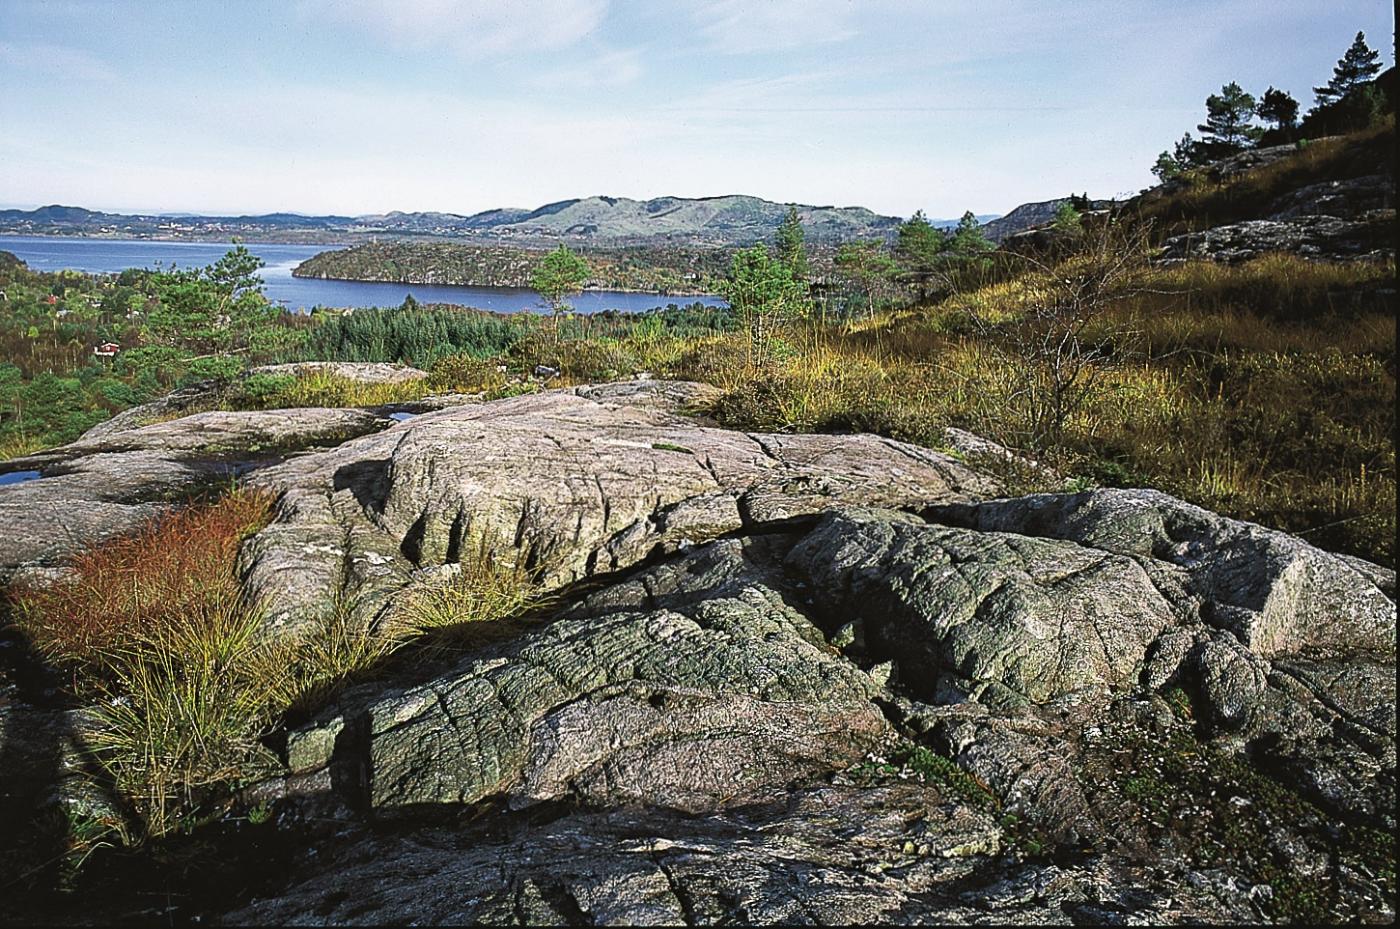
(1276, 593)
(572, 483)
(1001, 616)
(1322, 237)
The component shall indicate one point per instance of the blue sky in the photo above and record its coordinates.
(362, 106)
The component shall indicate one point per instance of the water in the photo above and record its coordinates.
(19, 477)
(103, 256)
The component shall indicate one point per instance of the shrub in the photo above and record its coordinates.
(466, 374)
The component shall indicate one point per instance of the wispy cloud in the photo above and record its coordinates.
(474, 28)
(55, 60)
(607, 69)
(748, 26)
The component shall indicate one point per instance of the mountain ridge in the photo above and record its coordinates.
(726, 220)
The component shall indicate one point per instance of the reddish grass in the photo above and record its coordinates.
(133, 590)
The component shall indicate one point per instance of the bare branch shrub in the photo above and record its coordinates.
(1059, 324)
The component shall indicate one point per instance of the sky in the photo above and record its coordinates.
(367, 106)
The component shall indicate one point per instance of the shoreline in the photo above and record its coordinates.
(412, 283)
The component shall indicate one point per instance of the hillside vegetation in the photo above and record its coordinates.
(648, 269)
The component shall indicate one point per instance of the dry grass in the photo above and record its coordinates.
(486, 587)
(1205, 202)
(319, 389)
(1264, 391)
(153, 628)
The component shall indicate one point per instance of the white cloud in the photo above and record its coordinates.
(747, 26)
(473, 28)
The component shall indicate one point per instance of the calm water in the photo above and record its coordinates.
(96, 256)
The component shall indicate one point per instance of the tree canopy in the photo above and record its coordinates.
(1228, 127)
(559, 276)
(792, 245)
(1359, 65)
(1279, 108)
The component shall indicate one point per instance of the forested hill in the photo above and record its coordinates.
(650, 269)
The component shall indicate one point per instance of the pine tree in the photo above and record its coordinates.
(1227, 127)
(917, 250)
(969, 239)
(1279, 108)
(559, 275)
(1187, 151)
(1358, 66)
(866, 266)
(792, 245)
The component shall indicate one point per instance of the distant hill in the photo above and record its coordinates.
(728, 220)
(723, 221)
(1028, 216)
(1025, 216)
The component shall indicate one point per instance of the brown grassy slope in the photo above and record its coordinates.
(1205, 200)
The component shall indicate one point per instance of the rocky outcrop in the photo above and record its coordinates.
(105, 485)
(1324, 237)
(1346, 199)
(899, 854)
(758, 684)
(796, 679)
(573, 483)
(686, 708)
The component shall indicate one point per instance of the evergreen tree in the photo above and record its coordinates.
(917, 250)
(1068, 219)
(792, 245)
(866, 266)
(1279, 108)
(1187, 151)
(763, 293)
(1185, 154)
(1227, 128)
(1358, 66)
(969, 239)
(561, 274)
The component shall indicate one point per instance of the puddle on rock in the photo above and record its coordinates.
(19, 477)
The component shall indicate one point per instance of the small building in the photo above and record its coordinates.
(107, 350)
(50, 299)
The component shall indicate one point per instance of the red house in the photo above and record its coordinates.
(107, 350)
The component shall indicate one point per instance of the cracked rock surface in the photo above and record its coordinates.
(794, 680)
(574, 482)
